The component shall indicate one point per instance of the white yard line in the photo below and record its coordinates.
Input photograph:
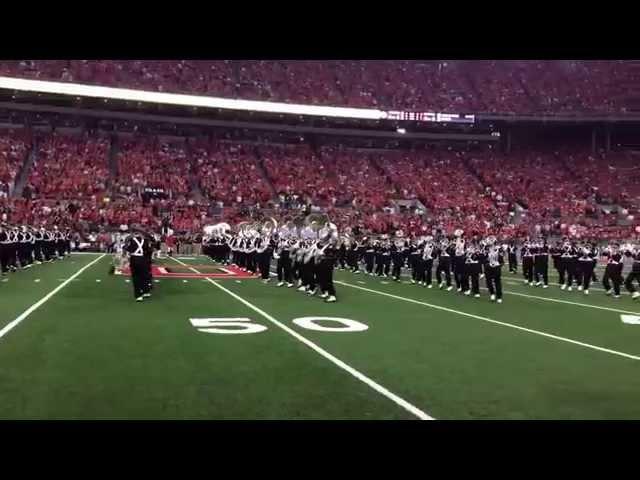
(11, 325)
(556, 300)
(497, 322)
(355, 373)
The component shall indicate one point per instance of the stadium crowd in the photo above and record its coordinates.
(188, 184)
(523, 86)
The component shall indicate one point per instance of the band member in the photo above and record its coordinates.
(67, 241)
(541, 264)
(527, 253)
(634, 274)
(397, 256)
(413, 254)
(49, 250)
(308, 269)
(556, 252)
(494, 260)
(573, 268)
(613, 270)
(342, 256)
(459, 261)
(472, 272)
(38, 245)
(587, 262)
(513, 257)
(360, 251)
(13, 249)
(137, 247)
(352, 256)
(445, 253)
(24, 241)
(428, 254)
(596, 255)
(283, 265)
(325, 256)
(4, 249)
(250, 250)
(564, 262)
(59, 241)
(298, 256)
(264, 252)
(369, 256)
(386, 257)
(151, 243)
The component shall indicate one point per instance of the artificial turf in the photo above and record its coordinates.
(91, 352)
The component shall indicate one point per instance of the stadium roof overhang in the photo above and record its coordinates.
(92, 101)
(135, 105)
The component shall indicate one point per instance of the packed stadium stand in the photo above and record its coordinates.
(523, 87)
(94, 181)
(483, 190)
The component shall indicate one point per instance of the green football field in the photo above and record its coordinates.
(74, 345)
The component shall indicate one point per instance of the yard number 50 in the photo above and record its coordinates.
(239, 325)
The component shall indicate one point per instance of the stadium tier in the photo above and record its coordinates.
(481, 190)
(522, 87)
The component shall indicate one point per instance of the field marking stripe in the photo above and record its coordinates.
(11, 325)
(497, 322)
(357, 374)
(557, 300)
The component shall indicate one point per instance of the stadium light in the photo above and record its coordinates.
(94, 91)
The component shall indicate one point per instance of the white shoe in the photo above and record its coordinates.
(460, 289)
(635, 295)
(468, 292)
(441, 285)
(311, 293)
(569, 289)
(526, 281)
(429, 286)
(477, 295)
(563, 286)
(357, 272)
(616, 296)
(499, 300)
(139, 299)
(299, 283)
(493, 298)
(608, 292)
(531, 284)
(586, 292)
(266, 280)
(289, 285)
(331, 299)
(384, 275)
(449, 288)
(413, 281)
(280, 284)
(324, 295)
(146, 295)
(545, 286)
(538, 284)
(579, 288)
(302, 289)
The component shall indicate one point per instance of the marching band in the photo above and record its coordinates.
(306, 254)
(21, 247)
